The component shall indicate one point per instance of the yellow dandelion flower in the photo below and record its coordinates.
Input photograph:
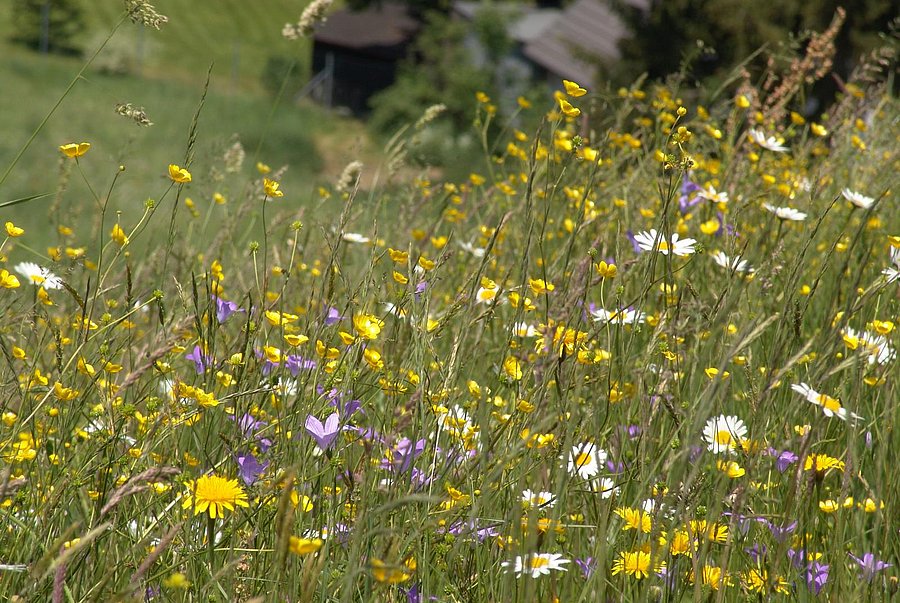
(213, 494)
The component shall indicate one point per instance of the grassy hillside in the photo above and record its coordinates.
(238, 36)
(170, 89)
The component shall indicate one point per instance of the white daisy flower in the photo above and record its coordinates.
(736, 263)
(892, 274)
(478, 252)
(785, 213)
(354, 237)
(724, 433)
(621, 316)
(830, 406)
(713, 195)
(767, 142)
(38, 275)
(876, 346)
(605, 487)
(536, 565)
(393, 310)
(538, 499)
(585, 460)
(653, 240)
(858, 199)
(485, 295)
(523, 329)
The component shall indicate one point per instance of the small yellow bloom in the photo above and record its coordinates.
(13, 230)
(512, 368)
(391, 575)
(607, 270)
(367, 326)
(179, 174)
(742, 101)
(75, 149)
(177, 580)
(818, 129)
(118, 235)
(262, 168)
(568, 109)
(539, 286)
(7, 280)
(272, 188)
(574, 90)
(304, 546)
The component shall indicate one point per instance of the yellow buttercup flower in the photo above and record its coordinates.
(304, 546)
(367, 326)
(179, 174)
(75, 149)
(568, 109)
(118, 235)
(7, 280)
(574, 90)
(272, 188)
(13, 230)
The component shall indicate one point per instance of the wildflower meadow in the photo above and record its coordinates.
(645, 351)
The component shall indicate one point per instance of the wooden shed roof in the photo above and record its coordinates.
(381, 26)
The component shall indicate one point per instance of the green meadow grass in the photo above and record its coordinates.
(343, 393)
(237, 36)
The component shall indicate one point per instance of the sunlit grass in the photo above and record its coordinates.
(639, 354)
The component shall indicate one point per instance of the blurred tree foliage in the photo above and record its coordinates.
(438, 70)
(730, 30)
(56, 23)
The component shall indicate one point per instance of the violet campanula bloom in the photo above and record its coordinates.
(757, 552)
(250, 427)
(779, 533)
(202, 362)
(225, 308)
(634, 244)
(587, 566)
(332, 316)
(785, 460)
(295, 364)
(420, 289)
(404, 453)
(869, 565)
(688, 187)
(816, 576)
(324, 434)
(249, 468)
